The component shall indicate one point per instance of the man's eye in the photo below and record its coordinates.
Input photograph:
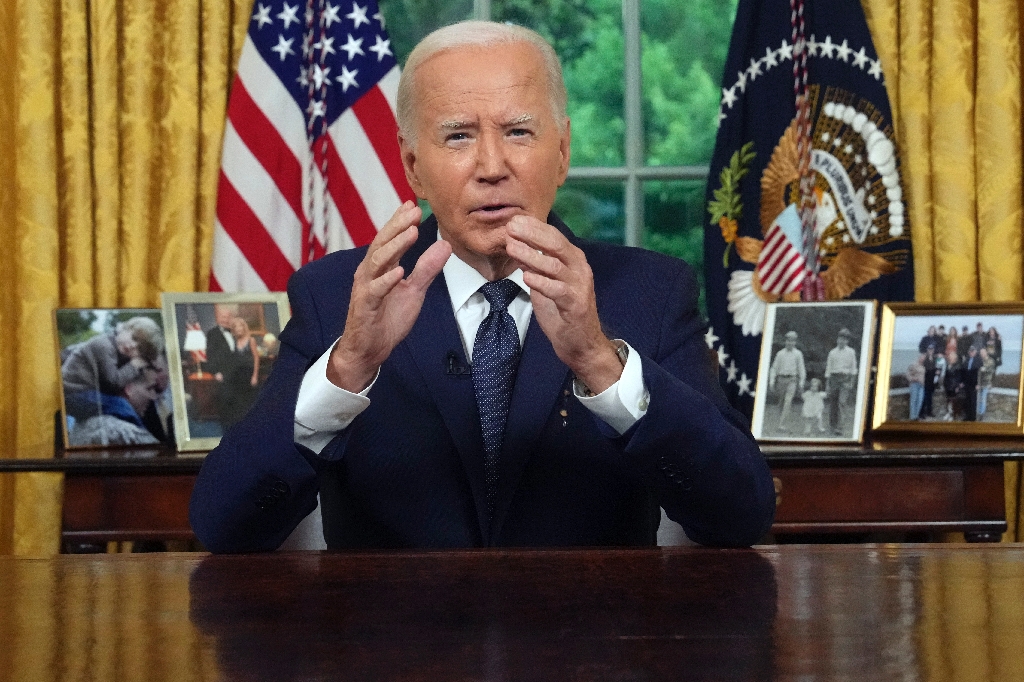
(519, 132)
(456, 137)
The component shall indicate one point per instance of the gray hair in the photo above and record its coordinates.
(147, 334)
(479, 34)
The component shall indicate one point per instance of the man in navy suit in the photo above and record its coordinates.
(615, 408)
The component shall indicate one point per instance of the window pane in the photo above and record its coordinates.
(587, 35)
(674, 215)
(409, 20)
(684, 49)
(593, 209)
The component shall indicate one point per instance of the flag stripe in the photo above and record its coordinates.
(364, 168)
(379, 124)
(247, 232)
(348, 200)
(230, 266)
(260, 192)
(273, 100)
(265, 143)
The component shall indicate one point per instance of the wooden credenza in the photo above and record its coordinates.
(892, 485)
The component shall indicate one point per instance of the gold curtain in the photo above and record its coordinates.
(111, 116)
(952, 68)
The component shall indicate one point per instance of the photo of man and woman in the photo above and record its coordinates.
(955, 368)
(224, 350)
(114, 378)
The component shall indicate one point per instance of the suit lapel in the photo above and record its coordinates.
(434, 342)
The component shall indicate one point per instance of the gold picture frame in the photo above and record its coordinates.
(217, 372)
(114, 378)
(980, 395)
(814, 372)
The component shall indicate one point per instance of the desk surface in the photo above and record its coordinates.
(776, 613)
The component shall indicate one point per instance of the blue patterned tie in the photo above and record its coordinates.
(495, 361)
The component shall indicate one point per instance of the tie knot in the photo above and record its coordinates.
(500, 293)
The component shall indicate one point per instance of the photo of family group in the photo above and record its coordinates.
(221, 348)
(114, 377)
(954, 368)
(812, 376)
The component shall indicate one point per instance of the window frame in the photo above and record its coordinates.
(635, 171)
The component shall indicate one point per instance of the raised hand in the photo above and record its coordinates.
(383, 305)
(562, 290)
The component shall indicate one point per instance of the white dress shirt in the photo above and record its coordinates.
(323, 409)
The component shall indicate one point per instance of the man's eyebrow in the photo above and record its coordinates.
(452, 125)
(519, 120)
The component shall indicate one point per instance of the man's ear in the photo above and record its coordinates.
(564, 152)
(408, 152)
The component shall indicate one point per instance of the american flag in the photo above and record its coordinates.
(781, 267)
(192, 325)
(310, 161)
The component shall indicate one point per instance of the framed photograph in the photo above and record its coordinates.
(221, 348)
(114, 377)
(813, 374)
(950, 368)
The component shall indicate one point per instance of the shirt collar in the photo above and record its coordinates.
(463, 281)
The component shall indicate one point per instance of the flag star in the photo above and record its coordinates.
(769, 58)
(731, 371)
(320, 75)
(741, 80)
(827, 47)
(283, 47)
(710, 338)
(860, 59)
(812, 47)
(876, 69)
(353, 47)
(262, 15)
(721, 117)
(754, 69)
(382, 48)
(722, 356)
(729, 96)
(785, 51)
(331, 14)
(288, 15)
(743, 384)
(303, 79)
(317, 108)
(843, 52)
(358, 15)
(327, 45)
(347, 78)
(380, 17)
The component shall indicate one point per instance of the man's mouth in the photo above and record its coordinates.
(496, 211)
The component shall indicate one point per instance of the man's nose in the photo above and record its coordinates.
(491, 162)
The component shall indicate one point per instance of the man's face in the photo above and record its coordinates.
(224, 315)
(841, 342)
(488, 146)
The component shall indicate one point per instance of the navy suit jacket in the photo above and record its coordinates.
(408, 471)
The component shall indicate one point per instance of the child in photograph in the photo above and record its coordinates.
(787, 374)
(814, 407)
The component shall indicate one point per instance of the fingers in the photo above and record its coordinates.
(429, 265)
(393, 240)
(538, 235)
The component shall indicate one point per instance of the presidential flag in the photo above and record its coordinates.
(805, 199)
(310, 161)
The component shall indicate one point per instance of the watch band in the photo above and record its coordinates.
(621, 352)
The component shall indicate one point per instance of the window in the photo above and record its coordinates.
(643, 79)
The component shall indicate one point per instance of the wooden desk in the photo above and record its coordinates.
(120, 495)
(872, 613)
(894, 484)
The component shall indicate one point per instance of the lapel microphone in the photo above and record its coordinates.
(454, 366)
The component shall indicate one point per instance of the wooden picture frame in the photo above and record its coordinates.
(216, 375)
(114, 389)
(982, 397)
(814, 371)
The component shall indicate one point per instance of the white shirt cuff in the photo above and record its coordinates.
(623, 403)
(323, 409)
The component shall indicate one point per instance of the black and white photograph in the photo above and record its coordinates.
(114, 377)
(221, 349)
(950, 367)
(812, 377)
